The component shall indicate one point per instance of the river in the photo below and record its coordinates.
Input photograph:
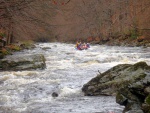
(67, 71)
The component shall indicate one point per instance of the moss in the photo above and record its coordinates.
(121, 99)
(140, 77)
(147, 100)
(13, 48)
(140, 64)
(4, 51)
(2, 34)
(27, 45)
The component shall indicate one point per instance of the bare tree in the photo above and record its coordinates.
(70, 19)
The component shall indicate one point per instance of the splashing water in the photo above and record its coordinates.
(67, 71)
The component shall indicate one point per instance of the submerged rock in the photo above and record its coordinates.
(130, 84)
(23, 62)
(54, 94)
(46, 48)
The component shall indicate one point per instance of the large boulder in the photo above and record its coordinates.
(130, 84)
(23, 62)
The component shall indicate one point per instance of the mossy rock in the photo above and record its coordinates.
(4, 51)
(128, 81)
(117, 77)
(140, 65)
(23, 62)
(122, 100)
(27, 45)
(147, 90)
(146, 108)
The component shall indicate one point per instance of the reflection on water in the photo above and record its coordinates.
(67, 71)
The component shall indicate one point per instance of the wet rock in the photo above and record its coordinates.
(46, 48)
(147, 100)
(54, 94)
(131, 83)
(147, 90)
(55, 46)
(140, 38)
(135, 111)
(122, 100)
(106, 83)
(146, 108)
(1, 56)
(27, 46)
(23, 62)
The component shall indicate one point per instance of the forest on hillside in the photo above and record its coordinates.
(70, 20)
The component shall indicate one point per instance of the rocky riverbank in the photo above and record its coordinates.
(23, 62)
(129, 42)
(10, 62)
(11, 48)
(130, 84)
(121, 41)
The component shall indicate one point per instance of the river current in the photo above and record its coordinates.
(67, 70)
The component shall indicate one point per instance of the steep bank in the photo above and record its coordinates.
(64, 21)
(123, 41)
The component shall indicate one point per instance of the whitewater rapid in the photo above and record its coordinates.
(67, 70)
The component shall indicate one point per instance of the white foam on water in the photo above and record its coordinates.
(5, 77)
(22, 109)
(25, 73)
(20, 81)
(66, 91)
(67, 71)
(4, 99)
(54, 80)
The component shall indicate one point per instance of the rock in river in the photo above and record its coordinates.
(23, 62)
(130, 84)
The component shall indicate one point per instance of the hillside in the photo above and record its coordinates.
(70, 20)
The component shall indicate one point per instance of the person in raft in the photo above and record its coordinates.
(78, 44)
(81, 46)
(84, 46)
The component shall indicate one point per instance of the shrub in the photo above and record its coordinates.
(2, 34)
(13, 47)
(134, 33)
(4, 51)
